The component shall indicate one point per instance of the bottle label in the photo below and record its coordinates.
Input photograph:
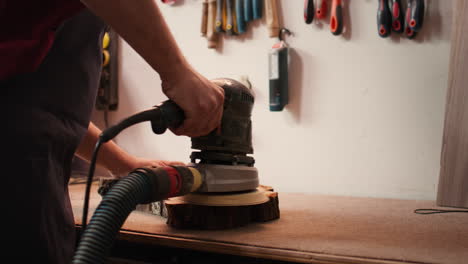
(273, 62)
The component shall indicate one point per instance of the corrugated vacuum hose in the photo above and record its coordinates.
(142, 186)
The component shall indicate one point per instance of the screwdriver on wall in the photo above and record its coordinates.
(336, 19)
(230, 26)
(417, 15)
(397, 16)
(414, 17)
(219, 16)
(322, 9)
(241, 23)
(309, 11)
(384, 19)
(248, 12)
(257, 7)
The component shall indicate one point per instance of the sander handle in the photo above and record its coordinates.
(166, 115)
(172, 116)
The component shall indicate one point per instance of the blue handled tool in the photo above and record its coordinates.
(241, 24)
(248, 12)
(257, 7)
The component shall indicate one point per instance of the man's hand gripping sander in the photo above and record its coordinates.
(220, 165)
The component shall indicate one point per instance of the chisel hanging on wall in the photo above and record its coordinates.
(230, 27)
(204, 22)
(241, 24)
(219, 24)
(248, 12)
(257, 7)
(211, 34)
(272, 20)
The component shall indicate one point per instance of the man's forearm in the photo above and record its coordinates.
(142, 25)
(110, 156)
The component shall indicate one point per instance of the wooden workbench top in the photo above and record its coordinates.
(317, 229)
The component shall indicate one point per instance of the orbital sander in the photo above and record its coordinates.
(218, 189)
(230, 195)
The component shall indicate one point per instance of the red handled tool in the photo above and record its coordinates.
(408, 31)
(321, 10)
(336, 19)
(414, 17)
(417, 15)
(309, 11)
(169, 2)
(384, 19)
(397, 16)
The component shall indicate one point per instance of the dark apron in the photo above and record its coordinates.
(46, 114)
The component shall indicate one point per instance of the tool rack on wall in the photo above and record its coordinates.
(107, 96)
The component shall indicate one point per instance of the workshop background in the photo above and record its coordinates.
(365, 115)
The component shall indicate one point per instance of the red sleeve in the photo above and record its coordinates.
(27, 32)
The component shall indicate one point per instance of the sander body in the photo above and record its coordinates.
(229, 194)
(223, 154)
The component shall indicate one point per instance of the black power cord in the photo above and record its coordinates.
(89, 182)
(427, 211)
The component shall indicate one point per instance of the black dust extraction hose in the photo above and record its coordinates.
(164, 116)
(144, 185)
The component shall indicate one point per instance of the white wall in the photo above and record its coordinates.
(365, 116)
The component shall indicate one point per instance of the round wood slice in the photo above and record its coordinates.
(214, 213)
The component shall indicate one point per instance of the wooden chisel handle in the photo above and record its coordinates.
(271, 8)
(210, 25)
(204, 17)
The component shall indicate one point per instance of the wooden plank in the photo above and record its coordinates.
(453, 180)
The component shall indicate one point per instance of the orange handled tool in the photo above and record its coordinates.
(336, 19)
(322, 9)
